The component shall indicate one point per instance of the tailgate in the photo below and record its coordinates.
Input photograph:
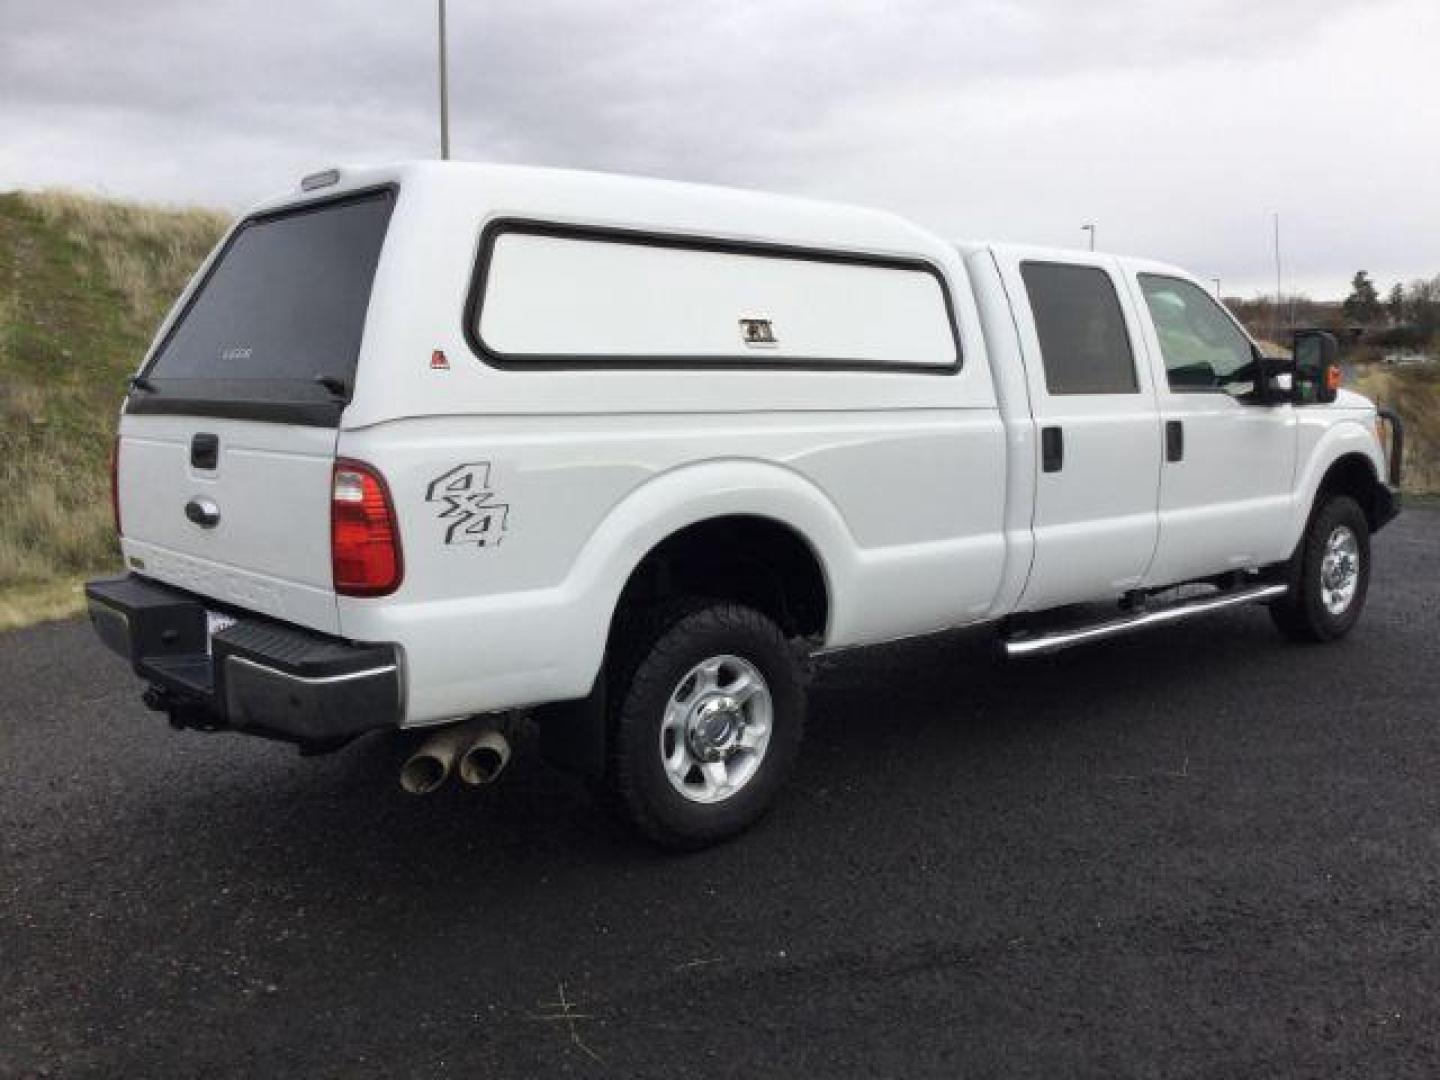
(267, 548)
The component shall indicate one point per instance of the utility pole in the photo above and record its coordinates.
(1275, 337)
(444, 93)
(1090, 228)
(1217, 287)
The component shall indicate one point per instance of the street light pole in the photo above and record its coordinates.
(1276, 332)
(1091, 230)
(444, 93)
(1217, 287)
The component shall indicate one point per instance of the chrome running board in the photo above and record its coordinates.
(1037, 644)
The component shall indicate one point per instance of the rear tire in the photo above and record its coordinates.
(707, 711)
(1329, 575)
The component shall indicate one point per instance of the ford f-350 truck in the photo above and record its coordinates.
(426, 445)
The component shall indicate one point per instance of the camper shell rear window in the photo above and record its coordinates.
(273, 331)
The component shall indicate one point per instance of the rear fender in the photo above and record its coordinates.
(573, 733)
(693, 494)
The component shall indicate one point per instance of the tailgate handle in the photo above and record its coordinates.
(203, 512)
(205, 451)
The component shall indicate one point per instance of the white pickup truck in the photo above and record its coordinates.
(427, 446)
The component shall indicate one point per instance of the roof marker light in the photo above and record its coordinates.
(320, 179)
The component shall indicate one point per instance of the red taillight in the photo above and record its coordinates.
(115, 483)
(364, 537)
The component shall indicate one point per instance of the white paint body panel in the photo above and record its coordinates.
(1094, 521)
(919, 492)
(1227, 504)
(270, 551)
(1325, 436)
(589, 497)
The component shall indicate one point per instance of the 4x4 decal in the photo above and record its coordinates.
(465, 502)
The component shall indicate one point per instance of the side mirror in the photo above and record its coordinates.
(1274, 380)
(1317, 367)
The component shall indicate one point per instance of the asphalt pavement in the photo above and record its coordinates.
(1197, 852)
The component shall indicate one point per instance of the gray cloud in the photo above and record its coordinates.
(1178, 127)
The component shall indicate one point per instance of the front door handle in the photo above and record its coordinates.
(1052, 449)
(1174, 440)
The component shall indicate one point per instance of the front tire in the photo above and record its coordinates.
(1329, 576)
(708, 709)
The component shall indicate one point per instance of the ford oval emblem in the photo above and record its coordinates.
(203, 512)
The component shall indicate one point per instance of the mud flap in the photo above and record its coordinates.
(573, 733)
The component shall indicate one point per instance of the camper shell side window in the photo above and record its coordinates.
(547, 295)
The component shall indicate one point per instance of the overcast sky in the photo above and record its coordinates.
(1178, 126)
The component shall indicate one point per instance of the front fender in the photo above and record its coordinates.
(1346, 437)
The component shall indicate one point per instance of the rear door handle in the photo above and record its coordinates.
(1174, 440)
(1052, 449)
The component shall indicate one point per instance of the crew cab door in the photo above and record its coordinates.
(1092, 402)
(1225, 487)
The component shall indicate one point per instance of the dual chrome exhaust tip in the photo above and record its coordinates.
(474, 750)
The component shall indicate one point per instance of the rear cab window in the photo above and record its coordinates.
(1084, 345)
(273, 332)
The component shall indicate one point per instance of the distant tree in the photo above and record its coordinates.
(1395, 303)
(1363, 303)
(1422, 307)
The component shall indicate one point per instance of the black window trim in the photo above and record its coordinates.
(1170, 387)
(509, 225)
(1109, 276)
(324, 411)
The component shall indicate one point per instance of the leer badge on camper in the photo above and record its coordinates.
(757, 333)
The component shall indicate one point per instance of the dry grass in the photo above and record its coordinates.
(57, 518)
(83, 284)
(9, 331)
(1414, 393)
(55, 598)
(20, 403)
(147, 252)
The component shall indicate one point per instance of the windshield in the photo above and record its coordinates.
(278, 320)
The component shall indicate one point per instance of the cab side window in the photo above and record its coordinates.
(1084, 345)
(1202, 346)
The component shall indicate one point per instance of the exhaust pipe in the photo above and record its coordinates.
(430, 766)
(485, 758)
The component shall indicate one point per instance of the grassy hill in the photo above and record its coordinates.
(83, 284)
